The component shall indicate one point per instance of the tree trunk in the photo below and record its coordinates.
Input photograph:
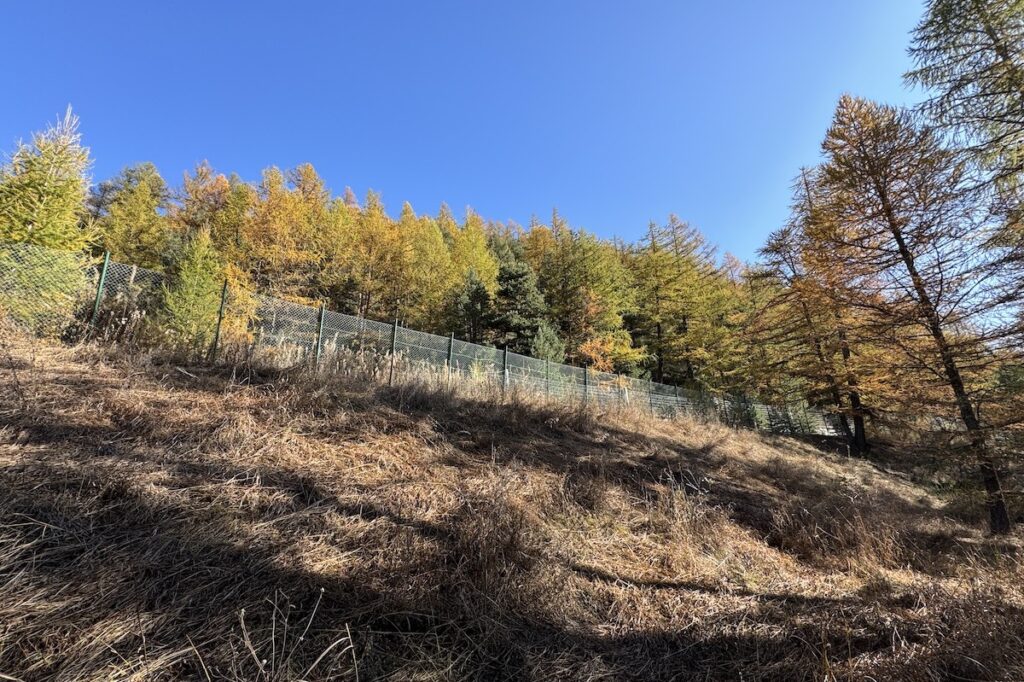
(833, 384)
(859, 444)
(999, 517)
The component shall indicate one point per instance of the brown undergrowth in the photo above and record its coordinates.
(166, 522)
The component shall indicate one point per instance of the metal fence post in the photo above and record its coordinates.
(451, 356)
(220, 319)
(586, 384)
(99, 290)
(394, 348)
(320, 336)
(547, 378)
(504, 371)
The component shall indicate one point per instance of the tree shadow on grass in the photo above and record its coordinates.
(174, 557)
(479, 433)
(110, 551)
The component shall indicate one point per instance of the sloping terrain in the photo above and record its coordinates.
(165, 522)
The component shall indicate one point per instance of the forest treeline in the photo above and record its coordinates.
(894, 290)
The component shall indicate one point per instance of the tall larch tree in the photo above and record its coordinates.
(714, 338)
(797, 323)
(537, 242)
(969, 58)
(281, 237)
(589, 289)
(662, 285)
(686, 307)
(906, 232)
(424, 273)
(335, 237)
(373, 253)
(130, 211)
(823, 329)
(222, 206)
(969, 55)
(470, 252)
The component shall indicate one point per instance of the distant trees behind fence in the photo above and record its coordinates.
(196, 316)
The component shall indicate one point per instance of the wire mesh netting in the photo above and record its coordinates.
(43, 290)
(129, 295)
(50, 292)
(419, 348)
(284, 334)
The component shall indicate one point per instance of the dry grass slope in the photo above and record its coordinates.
(163, 523)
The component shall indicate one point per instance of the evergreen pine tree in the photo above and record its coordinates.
(471, 309)
(519, 308)
(546, 345)
(192, 297)
(43, 189)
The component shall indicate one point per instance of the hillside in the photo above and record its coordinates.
(161, 522)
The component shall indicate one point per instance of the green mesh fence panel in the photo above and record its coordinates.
(42, 290)
(47, 291)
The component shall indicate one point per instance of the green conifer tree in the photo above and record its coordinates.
(969, 54)
(471, 310)
(43, 189)
(191, 299)
(519, 308)
(546, 345)
(130, 213)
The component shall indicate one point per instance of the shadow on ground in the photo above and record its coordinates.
(135, 532)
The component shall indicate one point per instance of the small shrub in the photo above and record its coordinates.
(191, 300)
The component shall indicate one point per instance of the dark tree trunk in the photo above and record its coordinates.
(999, 517)
(844, 424)
(859, 442)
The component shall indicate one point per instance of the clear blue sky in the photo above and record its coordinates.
(615, 112)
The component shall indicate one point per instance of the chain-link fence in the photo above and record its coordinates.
(40, 289)
(54, 292)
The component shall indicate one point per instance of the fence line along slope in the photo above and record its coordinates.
(56, 292)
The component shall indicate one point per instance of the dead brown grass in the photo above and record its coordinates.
(163, 522)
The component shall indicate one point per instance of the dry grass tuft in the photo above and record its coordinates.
(162, 522)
